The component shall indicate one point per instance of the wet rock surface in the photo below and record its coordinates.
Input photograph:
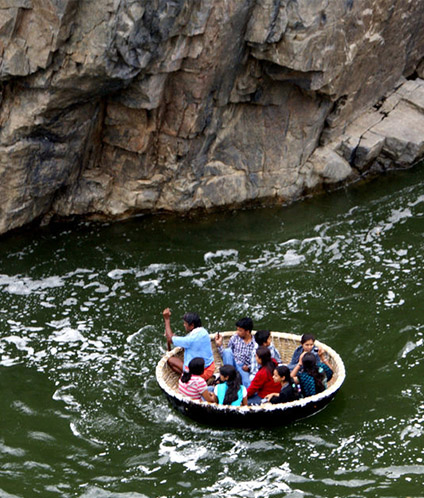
(111, 108)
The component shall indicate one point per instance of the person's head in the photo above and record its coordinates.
(227, 372)
(263, 355)
(309, 361)
(233, 380)
(195, 367)
(244, 327)
(191, 321)
(263, 337)
(308, 342)
(281, 374)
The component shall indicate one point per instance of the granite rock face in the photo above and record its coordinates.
(113, 107)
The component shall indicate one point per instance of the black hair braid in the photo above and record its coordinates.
(233, 387)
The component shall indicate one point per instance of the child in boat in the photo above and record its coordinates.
(262, 338)
(289, 391)
(239, 348)
(307, 345)
(191, 383)
(230, 391)
(312, 375)
(263, 382)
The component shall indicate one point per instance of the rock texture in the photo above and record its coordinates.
(113, 107)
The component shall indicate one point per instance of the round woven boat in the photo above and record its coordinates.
(264, 415)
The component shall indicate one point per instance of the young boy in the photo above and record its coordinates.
(239, 350)
(262, 338)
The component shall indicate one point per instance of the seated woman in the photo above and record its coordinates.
(312, 375)
(288, 391)
(307, 345)
(230, 391)
(192, 385)
(263, 382)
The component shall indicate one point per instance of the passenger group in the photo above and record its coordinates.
(252, 371)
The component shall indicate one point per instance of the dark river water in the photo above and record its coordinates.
(81, 332)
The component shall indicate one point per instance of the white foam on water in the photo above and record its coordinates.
(222, 254)
(74, 429)
(24, 286)
(398, 215)
(8, 450)
(291, 242)
(276, 259)
(67, 335)
(100, 288)
(186, 273)
(90, 357)
(375, 275)
(273, 483)
(97, 492)
(118, 274)
(419, 200)
(154, 268)
(397, 471)
(149, 286)
(348, 483)
(59, 324)
(21, 343)
(411, 431)
(46, 304)
(7, 361)
(41, 436)
(64, 394)
(78, 271)
(292, 258)
(22, 407)
(409, 347)
(140, 333)
(389, 301)
(173, 449)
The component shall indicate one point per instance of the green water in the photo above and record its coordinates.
(81, 332)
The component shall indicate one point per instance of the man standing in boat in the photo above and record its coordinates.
(196, 343)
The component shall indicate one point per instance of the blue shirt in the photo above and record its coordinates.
(296, 355)
(221, 389)
(196, 344)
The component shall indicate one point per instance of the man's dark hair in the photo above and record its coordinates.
(245, 323)
(261, 336)
(193, 319)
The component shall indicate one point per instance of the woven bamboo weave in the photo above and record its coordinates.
(284, 342)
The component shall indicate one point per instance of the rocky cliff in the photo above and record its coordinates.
(113, 107)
